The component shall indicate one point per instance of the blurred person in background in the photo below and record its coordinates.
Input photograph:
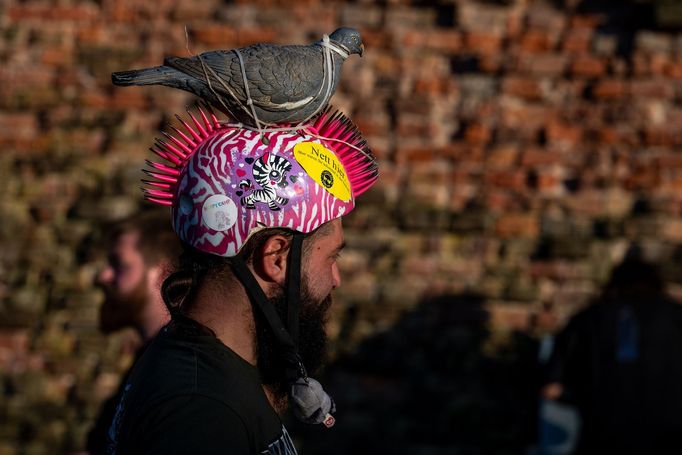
(141, 252)
(618, 361)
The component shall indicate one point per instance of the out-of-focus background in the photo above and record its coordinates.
(523, 146)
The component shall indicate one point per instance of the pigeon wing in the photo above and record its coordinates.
(219, 69)
(283, 78)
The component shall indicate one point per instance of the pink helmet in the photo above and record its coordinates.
(225, 182)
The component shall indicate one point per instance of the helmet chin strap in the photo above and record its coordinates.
(309, 401)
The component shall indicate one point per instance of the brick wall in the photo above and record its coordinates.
(522, 148)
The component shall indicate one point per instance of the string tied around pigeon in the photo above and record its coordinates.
(286, 84)
(328, 70)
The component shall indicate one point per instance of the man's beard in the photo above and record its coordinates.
(312, 340)
(123, 310)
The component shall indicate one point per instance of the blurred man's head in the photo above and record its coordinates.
(141, 252)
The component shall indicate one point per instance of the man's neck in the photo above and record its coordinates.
(155, 316)
(230, 318)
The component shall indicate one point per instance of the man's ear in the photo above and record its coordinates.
(158, 272)
(270, 262)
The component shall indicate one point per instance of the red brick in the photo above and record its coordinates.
(119, 12)
(498, 201)
(512, 225)
(508, 179)
(549, 182)
(588, 66)
(640, 64)
(672, 230)
(577, 41)
(478, 134)
(651, 88)
(461, 151)
(535, 41)
(18, 126)
(95, 99)
(92, 34)
(415, 155)
(527, 119)
(556, 270)
(57, 56)
(414, 38)
(251, 35)
(448, 41)
(610, 89)
(483, 42)
(674, 70)
(490, 63)
(434, 86)
(411, 126)
(580, 21)
(370, 125)
(670, 160)
(542, 64)
(503, 156)
(213, 35)
(515, 25)
(622, 134)
(48, 12)
(377, 39)
(563, 133)
(523, 87)
(536, 156)
(130, 99)
(510, 317)
(545, 17)
(662, 136)
(658, 63)
(642, 178)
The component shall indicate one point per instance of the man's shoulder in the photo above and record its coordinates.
(178, 364)
(197, 387)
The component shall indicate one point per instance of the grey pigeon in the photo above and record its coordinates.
(287, 84)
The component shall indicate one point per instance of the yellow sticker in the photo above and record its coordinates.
(324, 167)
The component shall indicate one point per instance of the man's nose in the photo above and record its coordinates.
(106, 275)
(336, 277)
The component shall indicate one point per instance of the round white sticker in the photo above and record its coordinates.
(219, 212)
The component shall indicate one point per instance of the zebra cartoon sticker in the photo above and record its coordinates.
(270, 173)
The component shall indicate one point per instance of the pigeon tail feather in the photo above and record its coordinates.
(162, 75)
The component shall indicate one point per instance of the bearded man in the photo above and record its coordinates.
(259, 214)
(141, 251)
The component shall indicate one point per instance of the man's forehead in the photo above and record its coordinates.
(127, 241)
(336, 230)
(330, 234)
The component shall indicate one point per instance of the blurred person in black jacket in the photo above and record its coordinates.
(619, 361)
(131, 282)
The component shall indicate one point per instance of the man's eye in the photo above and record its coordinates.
(123, 268)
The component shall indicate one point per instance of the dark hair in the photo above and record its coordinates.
(157, 241)
(634, 280)
(179, 288)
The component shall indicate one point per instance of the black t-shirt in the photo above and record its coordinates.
(190, 394)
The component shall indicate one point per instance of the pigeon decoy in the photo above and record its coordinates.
(287, 84)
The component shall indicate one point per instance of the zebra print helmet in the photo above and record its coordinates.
(225, 182)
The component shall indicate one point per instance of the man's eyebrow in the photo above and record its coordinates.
(340, 247)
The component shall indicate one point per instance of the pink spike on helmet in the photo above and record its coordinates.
(224, 183)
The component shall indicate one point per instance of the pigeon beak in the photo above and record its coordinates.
(362, 49)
